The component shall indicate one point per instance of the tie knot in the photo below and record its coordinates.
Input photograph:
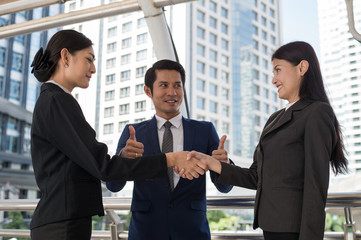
(167, 124)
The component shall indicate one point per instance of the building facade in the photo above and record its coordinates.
(340, 63)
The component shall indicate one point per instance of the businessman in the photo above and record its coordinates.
(172, 207)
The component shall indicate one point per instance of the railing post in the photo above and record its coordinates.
(349, 226)
(116, 226)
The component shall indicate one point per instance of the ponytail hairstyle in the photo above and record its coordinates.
(45, 63)
(312, 88)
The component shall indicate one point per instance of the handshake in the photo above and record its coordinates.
(187, 164)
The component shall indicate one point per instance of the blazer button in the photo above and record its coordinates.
(170, 205)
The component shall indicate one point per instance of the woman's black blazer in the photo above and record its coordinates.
(69, 162)
(290, 170)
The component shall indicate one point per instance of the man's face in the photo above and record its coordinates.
(167, 93)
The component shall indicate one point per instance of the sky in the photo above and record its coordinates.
(299, 22)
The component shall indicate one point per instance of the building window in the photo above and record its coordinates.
(265, 93)
(125, 59)
(141, 23)
(265, 63)
(110, 63)
(12, 135)
(266, 108)
(17, 63)
(201, 33)
(213, 107)
(213, 6)
(126, 43)
(124, 109)
(255, 44)
(108, 128)
(200, 103)
(15, 89)
(213, 72)
(201, 50)
(254, 16)
(224, 12)
(224, 60)
(264, 49)
(3, 22)
(225, 77)
(125, 75)
(213, 22)
(255, 74)
(213, 38)
(264, 21)
(112, 32)
(140, 106)
(201, 67)
(200, 16)
(265, 78)
(264, 35)
(2, 56)
(124, 92)
(142, 38)
(1, 86)
(139, 89)
(20, 39)
(212, 55)
(224, 44)
(109, 112)
(255, 30)
(213, 89)
(263, 7)
(225, 94)
(111, 47)
(201, 84)
(272, 12)
(257, 105)
(110, 79)
(272, 26)
(127, 27)
(140, 71)
(141, 55)
(109, 95)
(224, 28)
(137, 120)
(273, 40)
(121, 125)
(225, 128)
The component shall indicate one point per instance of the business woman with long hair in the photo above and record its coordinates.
(298, 144)
(68, 161)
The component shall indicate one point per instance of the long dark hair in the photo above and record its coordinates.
(312, 88)
(45, 63)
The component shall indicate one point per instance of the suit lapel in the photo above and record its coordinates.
(188, 135)
(283, 117)
(152, 135)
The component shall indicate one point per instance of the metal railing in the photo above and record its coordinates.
(345, 201)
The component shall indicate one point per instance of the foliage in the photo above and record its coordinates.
(15, 221)
(220, 221)
(334, 223)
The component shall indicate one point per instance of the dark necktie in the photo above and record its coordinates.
(167, 146)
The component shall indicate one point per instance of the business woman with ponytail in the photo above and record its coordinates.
(68, 161)
(290, 170)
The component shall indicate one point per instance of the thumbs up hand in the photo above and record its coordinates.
(132, 149)
(221, 154)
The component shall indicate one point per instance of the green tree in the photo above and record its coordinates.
(15, 221)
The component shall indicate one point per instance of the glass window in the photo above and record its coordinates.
(110, 63)
(225, 127)
(272, 26)
(213, 107)
(265, 108)
(124, 92)
(255, 74)
(109, 95)
(272, 12)
(225, 110)
(212, 22)
(213, 6)
(140, 71)
(257, 105)
(265, 63)
(108, 128)
(213, 38)
(111, 47)
(108, 112)
(126, 43)
(201, 2)
(256, 89)
(212, 72)
(273, 40)
(109, 79)
(2, 56)
(256, 59)
(3, 22)
(255, 44)
(264, 35)
(201, 85)
(112, 32)
(142, 55)
(224, 44)
(213, 55)
(140, 106)
(201, 50)
(124, 109)
(265, 93)
(225, 93)
(213, 89)
(1, 87)
(137, 120)
(121, 125)
(139, 89)
(224, 60)
(17, 63)
(200, 16)
(127, 27)
(255, 30)
(141, 23)
(125, 75)
(20, 39)
(142, 38)
(264, 49)
(224, 28)
(265, 78)
(254, 16)
(264, 21)
(200, 103)
(201, 33)
(13, 135)
(201, 67)
(224, 12)
(125, 59)
(263, 7)
(225, 76)
(27, 141)
(15, 89)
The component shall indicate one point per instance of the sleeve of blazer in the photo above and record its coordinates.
(213, 142)
(319, 140)
(119, 185)
(71, 134)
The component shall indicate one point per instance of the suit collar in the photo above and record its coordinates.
(282, 117)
